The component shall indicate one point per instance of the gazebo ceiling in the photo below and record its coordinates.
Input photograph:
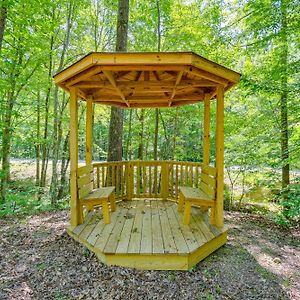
(155, 79)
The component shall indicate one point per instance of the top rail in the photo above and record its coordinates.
(149, 179)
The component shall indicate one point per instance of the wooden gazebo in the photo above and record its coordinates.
(146, 230)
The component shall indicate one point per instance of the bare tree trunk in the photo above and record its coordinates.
(283, 99)
(116, 115)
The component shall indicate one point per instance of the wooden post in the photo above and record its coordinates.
(130, 180)
(89, 131)
(164, 180)
(74, 205)
(220, 157)
(206, 140)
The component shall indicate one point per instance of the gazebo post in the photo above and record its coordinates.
(206, 142)
(74, 207)
(89, 131)
(219, 218)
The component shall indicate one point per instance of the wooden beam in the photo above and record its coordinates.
(74, 203)
(220, 157)
(179, 76)
(143, 84)
(109, 75)
(206, 138)
(89, 131)
(111, 103)
(83, 75)
(207, 75)
(143, 98)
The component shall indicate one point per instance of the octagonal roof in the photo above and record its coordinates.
(145, 79)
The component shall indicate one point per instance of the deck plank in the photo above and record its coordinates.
(176, 231)
(98, 229)
(202, 225)
(157, 240)
(107, 230)
(168, 240)
(79, 228)
(146, 241)
(124, 239)
(114, 237)
(89, 227)
(186, 231)
(136, 233)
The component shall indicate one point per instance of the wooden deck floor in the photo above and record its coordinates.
(149, 234)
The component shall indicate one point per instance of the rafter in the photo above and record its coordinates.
(179, 76)
(109, 75)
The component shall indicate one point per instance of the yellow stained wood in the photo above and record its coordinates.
(188, 235)
(74, 202)
(168, 240)
(194, 251)
(85, 169)
(220, 157)
(206, 139)
(78, 229)
(157, 241)
(146, 241)
(108, 229)
(178, 237)
(136, 233)
(89, 131)
(124, 238)
(113, 240)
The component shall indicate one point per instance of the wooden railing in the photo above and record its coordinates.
(148, 179)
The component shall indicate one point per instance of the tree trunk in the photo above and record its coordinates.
(141, 136)
(56, 140)
(175, 132)
(116, 115)
(128, 142)
(155, 145)
(45, 146)
(283, 99)
(37, 144)
(6, 142)
(3, 16)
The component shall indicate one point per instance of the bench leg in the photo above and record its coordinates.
(112, 202)
(212, 215)
(105, 210)
(187, 213)
(80, 214)
(180, 202)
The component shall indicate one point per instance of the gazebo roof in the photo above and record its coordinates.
(147, 79)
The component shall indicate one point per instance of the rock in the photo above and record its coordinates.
(84, 268)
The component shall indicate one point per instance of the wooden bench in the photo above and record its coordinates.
(204, 196)
(90, 197)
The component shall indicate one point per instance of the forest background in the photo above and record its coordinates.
(257, 38)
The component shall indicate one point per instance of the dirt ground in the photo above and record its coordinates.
(38, 260)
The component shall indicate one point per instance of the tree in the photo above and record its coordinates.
(116, 117)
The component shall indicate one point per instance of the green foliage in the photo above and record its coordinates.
(25, 198)
(290, 213)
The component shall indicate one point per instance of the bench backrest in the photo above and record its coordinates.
(208, 180)
(85, 180)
